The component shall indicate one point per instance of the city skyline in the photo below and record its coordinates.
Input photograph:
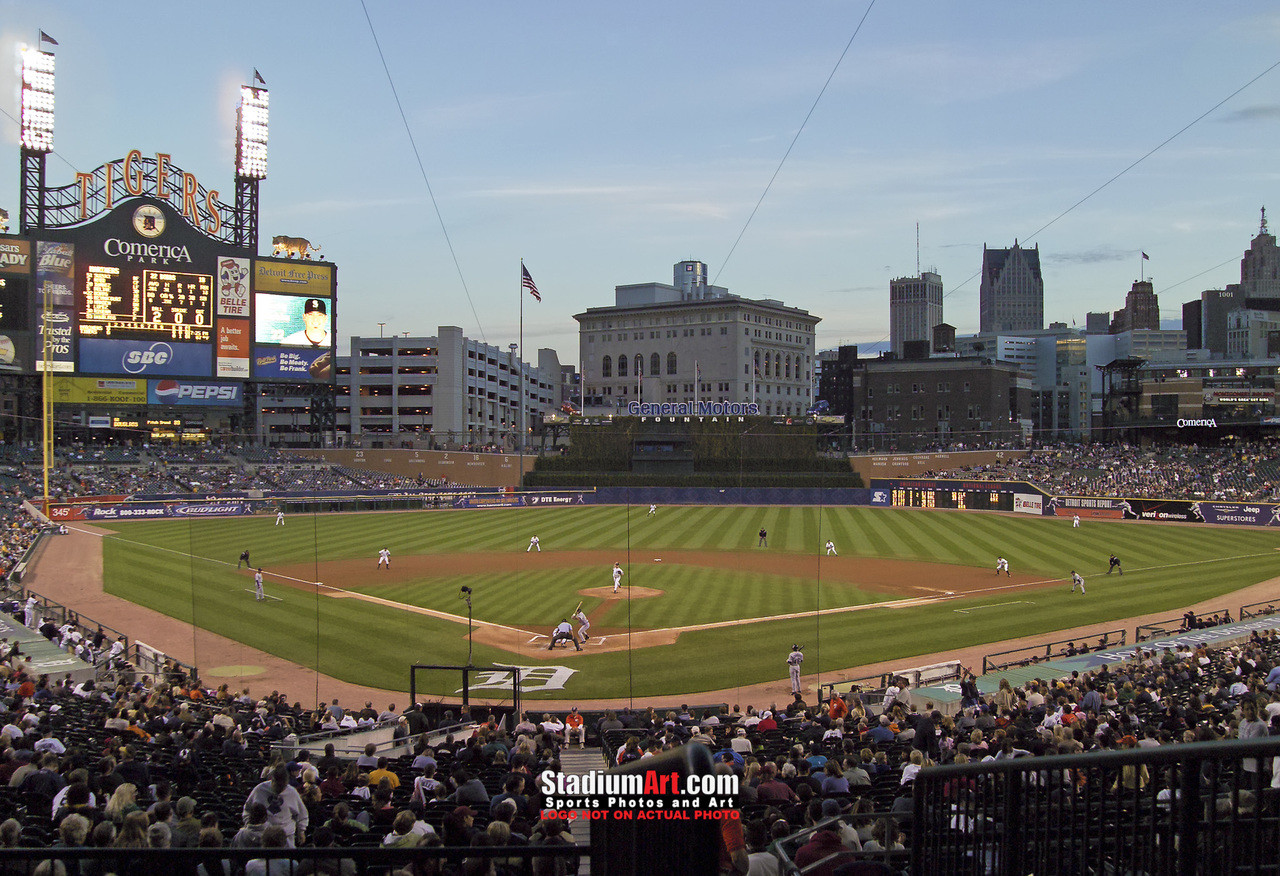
(604, 145)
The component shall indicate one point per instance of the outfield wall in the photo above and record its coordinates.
(929, 493)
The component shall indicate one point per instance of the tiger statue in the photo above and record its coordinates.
(299, 246)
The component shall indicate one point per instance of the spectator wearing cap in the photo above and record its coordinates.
(315, 326)
(822, 845)
(766, 721)
(740, 743)
(574, 726)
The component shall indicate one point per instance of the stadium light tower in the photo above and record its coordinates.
(37, 143)
(251, 160)
(36, 135)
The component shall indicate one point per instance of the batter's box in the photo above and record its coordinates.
(535, 639)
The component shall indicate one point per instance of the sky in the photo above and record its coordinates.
(428, 147)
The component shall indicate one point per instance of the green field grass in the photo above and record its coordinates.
(186, 569)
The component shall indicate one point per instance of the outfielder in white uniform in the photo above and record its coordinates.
(653, 509)
(1002, 565)
(1077, 581)
(533, 543)
(257, 586)
(831, 548)
(617, 577)
(1075, 522)
(280, 518)
(584, 625)
(794, 659)
(384, 558)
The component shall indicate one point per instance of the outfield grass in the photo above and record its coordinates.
(186, 569)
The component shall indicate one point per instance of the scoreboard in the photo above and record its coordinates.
(144, 304)
(932, 497)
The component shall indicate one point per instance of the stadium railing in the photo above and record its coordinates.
(1175, 809)
(1046, 651)
(1259, 609)
(23, 861)
(1174, 625)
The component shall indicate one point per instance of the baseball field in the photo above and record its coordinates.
(703, 606)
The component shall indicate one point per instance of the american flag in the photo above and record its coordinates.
(527, 282)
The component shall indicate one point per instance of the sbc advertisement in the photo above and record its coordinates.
(145, 358)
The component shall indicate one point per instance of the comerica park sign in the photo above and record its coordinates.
(693, 409)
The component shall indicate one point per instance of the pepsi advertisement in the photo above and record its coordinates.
(203, 393)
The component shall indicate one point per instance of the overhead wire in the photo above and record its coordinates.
(422, 169)
(1117, 176)
(724, 264)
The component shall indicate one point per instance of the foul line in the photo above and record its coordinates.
(992, 605)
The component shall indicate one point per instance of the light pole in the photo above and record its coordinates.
(381, 326)
(465, 593)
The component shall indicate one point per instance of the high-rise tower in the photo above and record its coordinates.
(915, 307)
(1011, 298)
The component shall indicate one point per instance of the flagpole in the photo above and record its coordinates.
(697, 385)
(520, 379)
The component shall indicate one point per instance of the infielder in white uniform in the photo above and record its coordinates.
(533, 543)
(1075, 522)
(617, 577)
(583, 624)
(831, 548)
(1002, 565)
(384, 558)
(653, 509)
(794, 659)
(280, 518)
(257, 586)
(1077, 581)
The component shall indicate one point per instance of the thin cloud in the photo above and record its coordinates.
(1097, 255)
(1252, 114)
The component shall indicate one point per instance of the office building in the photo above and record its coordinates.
(915, 307)
(690, 342)
(1011, 296)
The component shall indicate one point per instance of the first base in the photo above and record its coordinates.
(657, 559)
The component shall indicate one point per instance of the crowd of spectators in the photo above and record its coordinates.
(165, 763)
(1245, 471)
(843, 772)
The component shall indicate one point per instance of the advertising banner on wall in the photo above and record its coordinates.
(193, 392)
(233, 347)
(294, 278)
(149, 510)
(98, 391)
(286, 363)
(15, 256)
(55, 269)
(1086, 506)
(1024, 503)
(1250, 514)
(233, 287)
(145, 358)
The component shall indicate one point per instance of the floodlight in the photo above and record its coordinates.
(251, 133)
(37, 100)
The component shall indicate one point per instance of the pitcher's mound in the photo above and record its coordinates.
(633, 592)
